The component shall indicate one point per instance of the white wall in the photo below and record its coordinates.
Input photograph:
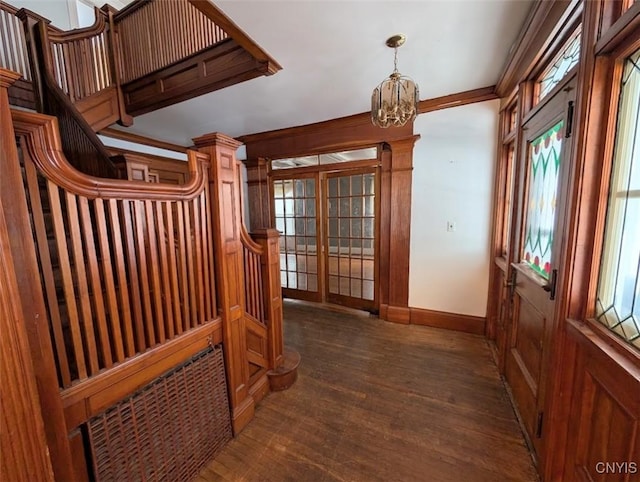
(453, 167)
(62, 13)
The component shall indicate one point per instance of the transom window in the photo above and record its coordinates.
(561, 64)
(618, 300)
(322, 159)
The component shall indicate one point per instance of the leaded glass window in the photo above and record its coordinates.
(544, 162)
(560, 66)
(618, 301)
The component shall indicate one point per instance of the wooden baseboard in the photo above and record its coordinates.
(242, 415)
(398, 314)
(260, 389)
(448, 321)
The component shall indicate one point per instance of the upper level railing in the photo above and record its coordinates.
(125, 265)
(13, 45)
(151, 54)
(170, 31)
(80, 59)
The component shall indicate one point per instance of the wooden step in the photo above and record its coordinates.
(286, 374)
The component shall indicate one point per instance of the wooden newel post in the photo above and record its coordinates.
(224, 189)
(269, 239)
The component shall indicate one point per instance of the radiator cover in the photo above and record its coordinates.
(168, 430)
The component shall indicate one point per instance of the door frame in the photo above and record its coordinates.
(319, 173)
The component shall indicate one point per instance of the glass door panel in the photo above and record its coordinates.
(295, 212)
(350, 246)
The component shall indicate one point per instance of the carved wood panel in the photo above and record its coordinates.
(604, 430)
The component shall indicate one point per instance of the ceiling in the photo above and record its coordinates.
(333, 55)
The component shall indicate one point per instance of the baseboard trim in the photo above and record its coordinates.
(259, 389)
(448, 321)
(398, 314)
(242, 415)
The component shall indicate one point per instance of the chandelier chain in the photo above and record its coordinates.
(395, 60)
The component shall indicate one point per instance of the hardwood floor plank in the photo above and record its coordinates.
(377, 401)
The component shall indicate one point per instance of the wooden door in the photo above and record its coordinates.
(539, 224)
(350, 240)
(297, 218)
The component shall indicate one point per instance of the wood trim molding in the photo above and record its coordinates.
(458, 99)
(96, 394)
(44, 143)
(350, 131)
(545, 20)
(140, 139)
(235, 32)
(448, 321)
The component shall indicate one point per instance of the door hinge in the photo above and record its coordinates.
(570, 110)
(550, 287)
(539, 424)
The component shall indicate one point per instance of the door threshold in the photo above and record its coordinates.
(331, 307)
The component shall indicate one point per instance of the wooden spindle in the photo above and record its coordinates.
(207, 314)
(158, 321)
(135, 291)
(67, 278)
(143, 267)
(164, 270)
(183, 268)
(82, 282)
(109, 281)
(193, 322)
(100, 317)
(126, 325)
(47, 272)
(173, 268)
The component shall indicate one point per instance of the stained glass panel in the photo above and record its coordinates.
(618, 303)
(561, 65)
(544, 161)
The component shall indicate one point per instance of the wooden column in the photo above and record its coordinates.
(27, 314)
(224, 188)
(395, 227)
(259, 202)
(269, 239)
(24, 455)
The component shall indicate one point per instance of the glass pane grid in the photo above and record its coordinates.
(295, 216)
(618, 300)
(544, 161)
(567, 58)
(350, 235)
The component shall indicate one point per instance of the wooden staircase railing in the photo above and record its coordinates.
(124, 280)
(171, 31)
(262, 306)
(15, 57)
(152, 54)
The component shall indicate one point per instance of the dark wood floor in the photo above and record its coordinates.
(377, 401)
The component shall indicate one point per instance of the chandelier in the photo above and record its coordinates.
(395, 101)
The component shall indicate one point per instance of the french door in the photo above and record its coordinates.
(328, 244)
(350, 238)
(540, 220)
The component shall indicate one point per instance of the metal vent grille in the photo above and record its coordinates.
(169, 429)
